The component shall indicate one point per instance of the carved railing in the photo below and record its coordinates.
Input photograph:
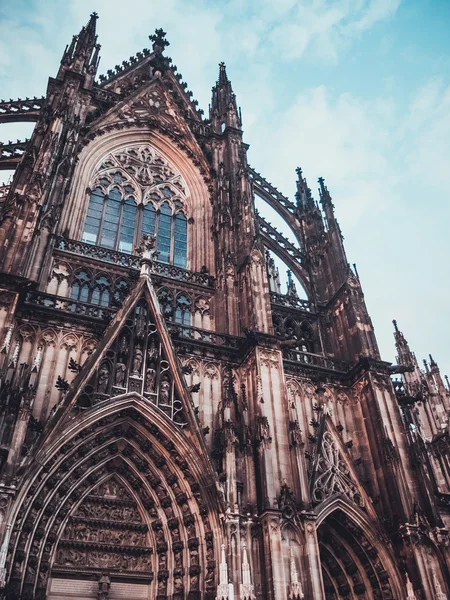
(27, 109)
(11, 153)
(98, 253)
(317, 361)
(291, 302)
(132, 261)
(172, 272)
(271, 232)
(261, 185)
(66, 305)
(204, 336)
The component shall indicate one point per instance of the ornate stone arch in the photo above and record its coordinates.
(107, 142)
(162, 471)
(355, 553)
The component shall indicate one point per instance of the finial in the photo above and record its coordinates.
(447, 382)
(223, 78)
(432, 361)
(159, 40)
(410, 595)
(94, 15)
(394, 322)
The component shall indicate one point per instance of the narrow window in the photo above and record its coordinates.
(127, 225)
(183, 310)
(111, 219)
(148, 219)
(93, 217)
(180, 241)
(164, 233)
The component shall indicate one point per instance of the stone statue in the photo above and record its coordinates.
(104, 585)
(137, 361)
(103, 380)
(164, 392)
(150, 380)
(120, 374)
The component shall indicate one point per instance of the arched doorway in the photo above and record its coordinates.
(352, 567)
(118, 507)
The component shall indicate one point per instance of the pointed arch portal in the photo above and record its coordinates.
(123, 497)
(354, 566)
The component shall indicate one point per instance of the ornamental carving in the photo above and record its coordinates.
(332, 474)
(143, 173)
(105, 532)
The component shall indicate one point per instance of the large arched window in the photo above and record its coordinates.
(137, 191)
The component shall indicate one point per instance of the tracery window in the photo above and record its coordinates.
(80, 286)
(136, 191)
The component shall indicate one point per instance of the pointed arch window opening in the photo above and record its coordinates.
(137, 191)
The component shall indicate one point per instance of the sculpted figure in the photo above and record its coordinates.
(150, 380)
(164, 392)
(120, 374)
(137, 361)
(103, 380)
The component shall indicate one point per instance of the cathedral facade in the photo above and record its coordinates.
(173, 425)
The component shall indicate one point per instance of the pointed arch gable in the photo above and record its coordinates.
(330, 448)
(164, 472)
(366, 536)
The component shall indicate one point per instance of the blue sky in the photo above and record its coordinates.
(356, 91)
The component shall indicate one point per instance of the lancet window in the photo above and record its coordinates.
(136, 191)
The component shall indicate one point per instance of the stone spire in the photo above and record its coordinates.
(247, 589)
(303, 196)
(295, 587)
(82, 56)
(410, 595)
(224, 111)
(225, 590)
(437, 586)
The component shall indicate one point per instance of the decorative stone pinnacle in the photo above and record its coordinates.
(410, 595)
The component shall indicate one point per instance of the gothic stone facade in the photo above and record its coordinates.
(172, 426)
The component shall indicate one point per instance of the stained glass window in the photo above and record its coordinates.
(140, 193)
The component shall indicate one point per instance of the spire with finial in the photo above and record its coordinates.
(225, 590)
(247, 589)
(410, 595)
(405, 356)
(325, 197)
(303, 194)
(82, 56)
(223, 109)
(291, 288)
(295, 587)
(437, 586)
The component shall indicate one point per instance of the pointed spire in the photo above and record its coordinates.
(432, 362)
(291, 288)
(83, 52)
(223, 78)
(225, 590)
(295, 587)
(223, 110)
(405, 356)
(325, 197)
(410, 595)
(303, 194)
(247, 589)
(437, 586)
